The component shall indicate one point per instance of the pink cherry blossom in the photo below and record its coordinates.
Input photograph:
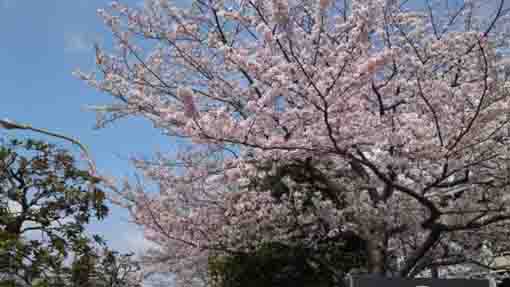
(393, 119)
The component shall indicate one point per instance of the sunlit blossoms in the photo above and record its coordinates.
(303, 120)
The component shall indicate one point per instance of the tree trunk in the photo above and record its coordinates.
(376, 257)
(435, 272)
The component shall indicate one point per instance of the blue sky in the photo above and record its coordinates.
(42, 42)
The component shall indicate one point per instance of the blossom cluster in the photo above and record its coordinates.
(371, 116)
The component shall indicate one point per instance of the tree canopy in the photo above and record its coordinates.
(46, 202)
(305, 120)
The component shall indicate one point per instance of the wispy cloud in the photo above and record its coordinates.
(6, 4)
(136, 242)
(77, 43)
(81, 42)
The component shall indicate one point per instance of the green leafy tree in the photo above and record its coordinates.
(46, 202)
(276, 264)
(103, 267)
(323, 262)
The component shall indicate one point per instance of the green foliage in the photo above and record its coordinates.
(276, 264)
(46, 200)
(105, 268)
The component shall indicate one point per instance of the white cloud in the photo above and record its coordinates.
(136, 242)
(77, 43)
(6, 4)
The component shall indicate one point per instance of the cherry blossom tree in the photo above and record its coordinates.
(303, 121)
